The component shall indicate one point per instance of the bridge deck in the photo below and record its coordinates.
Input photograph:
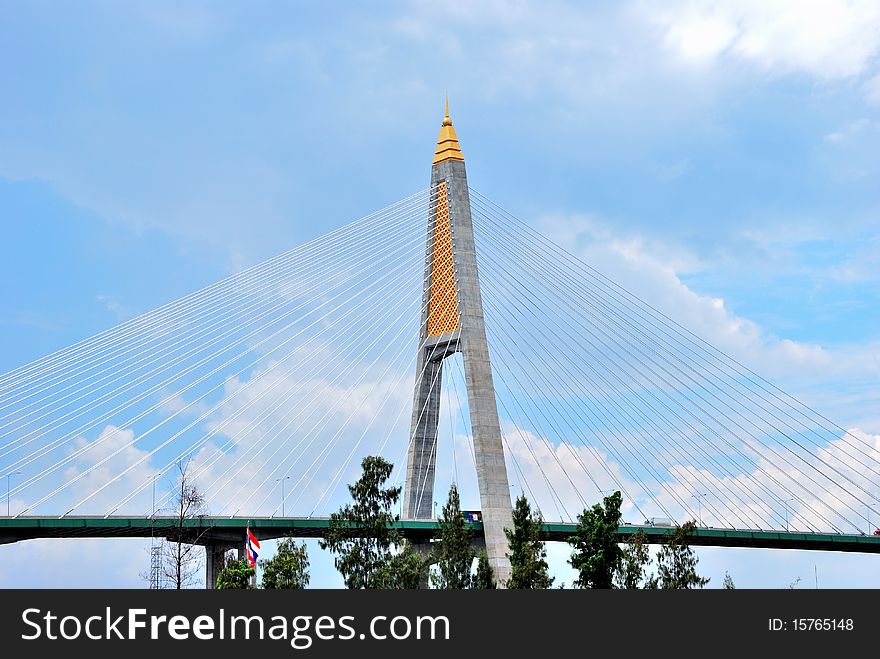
(209, 530)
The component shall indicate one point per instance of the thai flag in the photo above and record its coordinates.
(253, 547)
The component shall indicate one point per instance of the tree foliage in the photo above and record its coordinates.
(363, 536)
(528, 555)
(484, 578)
(728, 582)
(454, 554)
(288, 569)
(677, 562)
(597, 554)
(633, 561)
(402, 571)
(236, 575)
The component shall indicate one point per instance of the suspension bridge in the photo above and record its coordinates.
(449, 336)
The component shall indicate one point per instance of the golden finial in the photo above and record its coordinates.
(447, 143)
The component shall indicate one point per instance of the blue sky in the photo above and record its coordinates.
(718, 159)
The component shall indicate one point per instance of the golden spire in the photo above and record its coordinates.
(447, 143)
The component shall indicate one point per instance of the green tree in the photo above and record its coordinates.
(597, 554)
(634, 558)
(288, 569)
(455, 553)
(728, 582)
(235, 576)
(483, 578)
(677, 562)
(402, 571)
(528, 556)
(362, 533)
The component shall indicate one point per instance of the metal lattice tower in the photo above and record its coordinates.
(155, 547)
(452, 321)
(155, 566)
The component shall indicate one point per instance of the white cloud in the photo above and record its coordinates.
(699, 38)
(93, 476)
(561, 478)
(120, 311)
(862, 266)
(651, 270)
(294, 421)
(236, 193)
(872, 90)
(812, 492)
(301, 420)
(829, 39)
(776, 488)
(851, 131)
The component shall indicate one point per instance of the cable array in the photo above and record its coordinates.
(628, 399)
(271, 385)
(257, 376)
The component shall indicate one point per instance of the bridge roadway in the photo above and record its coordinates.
(230, 531)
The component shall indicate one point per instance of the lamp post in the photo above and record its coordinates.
(699, 497)
(785, 503)
(8, 476)
(281, 480)
(153, 509)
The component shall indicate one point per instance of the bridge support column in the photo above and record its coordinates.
(215, 560)
(494, 487)
(418, 494)
(423, 549)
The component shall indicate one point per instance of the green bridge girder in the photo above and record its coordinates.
(213, 530)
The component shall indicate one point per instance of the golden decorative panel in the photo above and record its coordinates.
(443, 301)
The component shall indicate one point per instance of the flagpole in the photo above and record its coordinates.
(248, 550)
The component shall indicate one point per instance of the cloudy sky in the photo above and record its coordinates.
(714, 158)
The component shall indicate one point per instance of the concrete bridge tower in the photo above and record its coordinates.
(452, 321)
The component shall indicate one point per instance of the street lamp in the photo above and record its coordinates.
(282, 492)
(785, 503)
(699, 499)
(8, 476)
(153, 509)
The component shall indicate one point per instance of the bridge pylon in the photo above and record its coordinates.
(452, 321)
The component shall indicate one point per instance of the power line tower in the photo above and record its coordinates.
(155, 565)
